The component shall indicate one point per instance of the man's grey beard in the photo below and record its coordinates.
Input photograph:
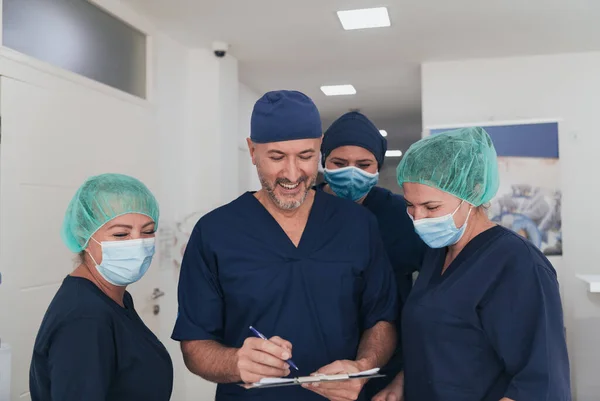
(282, 203)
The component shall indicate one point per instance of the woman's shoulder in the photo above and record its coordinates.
(78, 304)
(79, 298)
(521, 256)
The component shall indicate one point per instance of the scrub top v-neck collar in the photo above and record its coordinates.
(474, 246)
(265, 218)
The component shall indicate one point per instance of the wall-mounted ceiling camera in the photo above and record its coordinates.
(220, 49)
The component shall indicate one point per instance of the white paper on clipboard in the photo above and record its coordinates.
(282, 381)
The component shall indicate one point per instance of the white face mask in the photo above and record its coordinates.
(440, 232)
(125, 262)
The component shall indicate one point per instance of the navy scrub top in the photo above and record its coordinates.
(403, 245)
(90, 348)
(405, 250)
(490, 327)
(241, 269)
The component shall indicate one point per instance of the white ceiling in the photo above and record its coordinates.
(285, 44)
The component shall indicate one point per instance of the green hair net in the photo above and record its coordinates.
(101, 199)
(460, 162)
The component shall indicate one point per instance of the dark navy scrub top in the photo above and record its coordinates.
(403, 245)
(405, 250)
(241, 269)
(90, 348)
(490, 327)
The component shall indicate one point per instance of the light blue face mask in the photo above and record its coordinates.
(125, 262)
(440, 232)
(350, 182)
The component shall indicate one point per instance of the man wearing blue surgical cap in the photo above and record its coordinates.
(305, 269)
(353, 152)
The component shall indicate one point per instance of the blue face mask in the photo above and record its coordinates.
(350, 182)
(440, 232)
(125, 262)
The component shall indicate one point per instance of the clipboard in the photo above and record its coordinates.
(296, 381)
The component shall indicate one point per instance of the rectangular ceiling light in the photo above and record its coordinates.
(383, 132)
(364, 18)
(338, 90)
(393, 153)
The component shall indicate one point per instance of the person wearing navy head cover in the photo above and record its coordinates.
(353, 152)
(306, 269)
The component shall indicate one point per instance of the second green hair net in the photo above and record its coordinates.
(100, 199)
(460, 162)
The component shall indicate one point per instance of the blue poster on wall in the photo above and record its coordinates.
(529, 198)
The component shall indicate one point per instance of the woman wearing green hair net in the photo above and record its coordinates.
(484, 319)
(92, 345)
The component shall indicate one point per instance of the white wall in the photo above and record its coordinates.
(564, 87)
(248, 179)
(170, 90)
(209, 163)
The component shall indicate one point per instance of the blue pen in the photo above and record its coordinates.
(259, 334)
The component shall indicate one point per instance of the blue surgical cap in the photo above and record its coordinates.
(357, 130)
(284, 116)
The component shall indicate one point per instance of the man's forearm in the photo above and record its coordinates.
(211, 360)
(377, 345)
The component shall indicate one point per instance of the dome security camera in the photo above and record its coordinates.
(220, 49)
